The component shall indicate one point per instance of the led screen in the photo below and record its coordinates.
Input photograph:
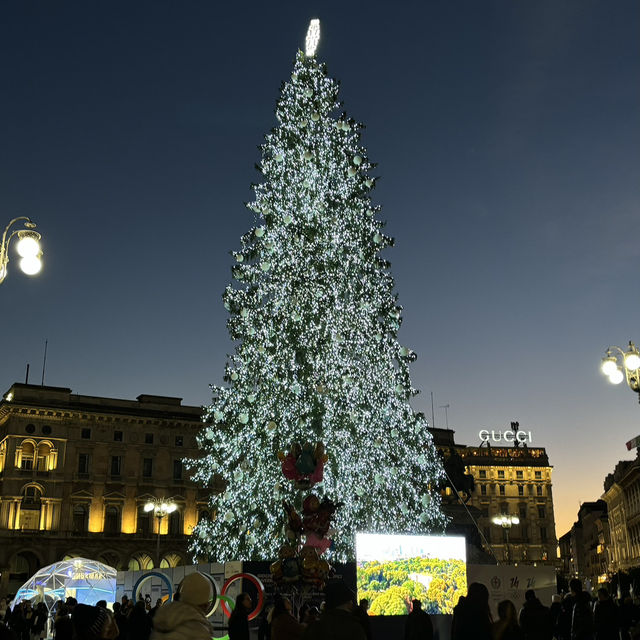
(395, 569)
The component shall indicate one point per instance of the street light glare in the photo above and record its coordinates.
(632, 361)
(28, 246)
(148, 507)
(31, 265)
(608, 366)
(616, 377)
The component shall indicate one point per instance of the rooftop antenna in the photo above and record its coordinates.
(26, 376)
(433, 415)
(44, 361)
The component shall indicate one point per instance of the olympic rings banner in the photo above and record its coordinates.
(227, 582)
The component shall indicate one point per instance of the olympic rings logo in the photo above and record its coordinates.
(220, 596)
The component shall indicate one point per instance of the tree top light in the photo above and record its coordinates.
(313, 37)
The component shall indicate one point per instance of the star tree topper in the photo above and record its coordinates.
(313, 37)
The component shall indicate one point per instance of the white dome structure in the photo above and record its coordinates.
(88, 581)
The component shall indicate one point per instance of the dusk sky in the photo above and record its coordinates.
(507, 137)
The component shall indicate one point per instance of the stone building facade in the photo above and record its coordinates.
(77, 471)
(515, 480)
(622, 495)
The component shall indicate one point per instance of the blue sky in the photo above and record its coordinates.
(507, 136)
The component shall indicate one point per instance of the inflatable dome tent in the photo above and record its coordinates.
(88, 581)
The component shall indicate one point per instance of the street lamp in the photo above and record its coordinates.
(28, 248)
(506, 522)
(618, 364)
(161, 507)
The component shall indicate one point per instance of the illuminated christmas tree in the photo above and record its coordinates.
(315, 321)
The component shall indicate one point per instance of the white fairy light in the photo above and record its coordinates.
(313, 37)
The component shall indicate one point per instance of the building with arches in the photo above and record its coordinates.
(76, 472)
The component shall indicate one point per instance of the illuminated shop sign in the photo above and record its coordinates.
(505, 436)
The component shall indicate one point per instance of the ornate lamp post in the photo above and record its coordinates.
(28, 248)
(161, 507)
(618, 364)
(506, 522)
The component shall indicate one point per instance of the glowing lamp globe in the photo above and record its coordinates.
(616, 377)
(632, 361)
(31, 265)
(515, 520)
(608, 366)
(148, 507)
(28, 245)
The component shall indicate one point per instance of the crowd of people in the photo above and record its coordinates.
(572, 617)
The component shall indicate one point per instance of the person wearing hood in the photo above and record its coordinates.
(185, 619)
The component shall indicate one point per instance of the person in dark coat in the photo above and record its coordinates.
(472, 618)
(606, 622)
(507, 627)
(418, 625)
(140, 624)
(361, 613)
(582, 614)
(62, 626)
(535, 618)
(93, 623)
(154, 610)
(239, 619)
(39, 622)
(284, 626)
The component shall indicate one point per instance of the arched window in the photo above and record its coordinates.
(170, 560)
(22, 566)
(140, 562)
(80, 518)
(44, 457)
(111, 559)
(112, 520)
(28, 454)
